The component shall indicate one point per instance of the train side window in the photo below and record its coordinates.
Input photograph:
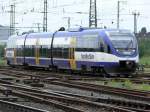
(22, 49)
(29, 50)
(43, 51)
(59, 52)
(87, 43)
(26, 51)
(19, 50)
(40, 50)
(65, 53)
(48, 52)
(54, 52)
(32, 50)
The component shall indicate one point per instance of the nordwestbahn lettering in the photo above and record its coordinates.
(87, 56)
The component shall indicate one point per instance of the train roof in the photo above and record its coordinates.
(75, 31)
(81, 29)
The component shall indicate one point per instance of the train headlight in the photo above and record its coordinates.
(130, 64)
(133, 50)
(127, 62)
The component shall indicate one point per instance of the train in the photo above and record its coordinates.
(111, 51)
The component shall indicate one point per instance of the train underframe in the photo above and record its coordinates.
(124, 68)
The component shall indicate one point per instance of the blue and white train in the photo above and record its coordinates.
(83, 49)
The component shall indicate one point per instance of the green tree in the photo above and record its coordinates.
(2, 50)
(143, 31)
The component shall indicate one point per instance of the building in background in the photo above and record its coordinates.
(4, 34)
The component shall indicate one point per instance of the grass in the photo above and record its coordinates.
(129, 85)
(2, 61)
(145, 61)
(126, 85)
(144, 50)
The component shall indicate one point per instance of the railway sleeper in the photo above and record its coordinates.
(11, 99)
(29, 81)
(13, 107)
(36, 84)
(7, 92)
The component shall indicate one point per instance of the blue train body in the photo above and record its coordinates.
(114, 51)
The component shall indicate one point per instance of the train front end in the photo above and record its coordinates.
(124, 46)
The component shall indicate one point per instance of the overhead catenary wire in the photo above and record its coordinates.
(56, 9)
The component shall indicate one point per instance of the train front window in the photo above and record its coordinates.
(124, 43)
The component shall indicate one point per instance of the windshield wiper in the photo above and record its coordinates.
(129, 44)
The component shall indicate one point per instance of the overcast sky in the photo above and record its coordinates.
(28, 13)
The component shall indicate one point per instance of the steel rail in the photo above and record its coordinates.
(104, 89)
(6, 106)
(36, 95)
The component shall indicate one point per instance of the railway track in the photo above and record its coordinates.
(72, 81)
(38, 74)
(79, 99)
(16, 92)
(134, 94)
(48, 77)
(63, 102)
(31, 77)
(59, 76)
(6, 106)
(133, 80)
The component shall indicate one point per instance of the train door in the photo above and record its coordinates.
(37, 52)
(72, 54)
